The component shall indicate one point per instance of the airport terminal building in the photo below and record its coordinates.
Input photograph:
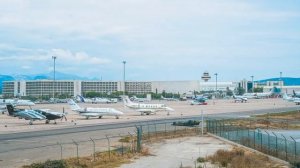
(75, 87)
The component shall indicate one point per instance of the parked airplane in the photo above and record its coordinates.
(101, 100)
(83, 100)
(296, 94)
(37, 114)
(291, 99)
(199, 101)
(51, 115)
(146, 108)
(94, 112)
(16, 102)
(241, 99)
(136, 99)
(2, 109)
(26, 114)
(169, 99)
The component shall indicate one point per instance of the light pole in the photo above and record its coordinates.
(216, 74)
(53, 88)
(252, 84)
(124, 63)
(280, 81)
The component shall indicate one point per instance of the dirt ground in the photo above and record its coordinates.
(178, 152)
(10, 124)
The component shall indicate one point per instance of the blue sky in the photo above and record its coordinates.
(159, 39)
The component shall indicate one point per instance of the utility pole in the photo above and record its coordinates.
(216, 74)
(53, 88)
(280, 81)
(252, 84)
(124, 63)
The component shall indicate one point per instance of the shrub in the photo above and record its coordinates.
(201, 159)
(49, 164)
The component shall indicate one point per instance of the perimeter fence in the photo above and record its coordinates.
(263, 140)
(118, 140)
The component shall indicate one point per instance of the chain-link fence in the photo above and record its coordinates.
(76, 145)
(266, 141)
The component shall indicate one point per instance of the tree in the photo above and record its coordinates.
(240, 91)
(229, 92)
(258, 90)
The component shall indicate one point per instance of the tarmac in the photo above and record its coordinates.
(10, 124)
(21, 143)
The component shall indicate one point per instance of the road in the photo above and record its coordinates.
(21, 148)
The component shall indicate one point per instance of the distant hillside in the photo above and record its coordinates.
(287, 81)
(49, 76)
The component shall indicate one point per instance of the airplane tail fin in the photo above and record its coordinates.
(285, 96)
(126, 100)
(73, 105)
(10, 109)
(81, 98)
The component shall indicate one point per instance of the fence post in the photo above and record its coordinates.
(254, 138)
(76, 150)
(268, 142)
(165, 128)
(108, 143)
(94, 146)
(248, 137)
(131, 141)
(202, 124)
(276, 143)
(139, 138)
(261, 139)
(295, 148)
(122, 145)
(148, 131)
(61, 150)
(208, 125)
(286, 157)
(155, 130)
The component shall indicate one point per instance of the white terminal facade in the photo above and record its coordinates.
(76, 87)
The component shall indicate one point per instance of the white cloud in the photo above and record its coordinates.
(77, 58)
(26, 67)
(147, 34)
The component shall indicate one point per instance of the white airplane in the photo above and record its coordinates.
(291, 99)
(169, 99)
(83, 100)
(296, 94)
(257, 95)
(136, 99)
(94, 112)
(16, 102)
(146, 108)
(250, 95)
(3, 109)
(101, 100)
(241, 99)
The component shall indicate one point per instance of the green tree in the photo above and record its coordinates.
(240, 91)
(258, 90)
(229, 92)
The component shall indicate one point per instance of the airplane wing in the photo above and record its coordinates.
(147, 110)
(91, 114)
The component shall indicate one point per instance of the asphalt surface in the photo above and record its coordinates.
(97, 127)
(30, 144)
